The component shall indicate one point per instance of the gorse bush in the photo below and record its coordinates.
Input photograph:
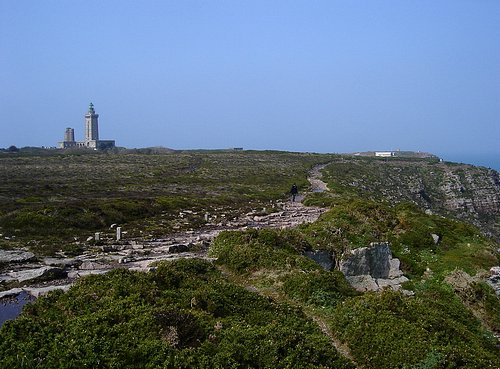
(251, 250)
(387, 330)
(318, 288)
(183, 315)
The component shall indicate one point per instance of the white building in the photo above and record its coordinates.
(384, 154)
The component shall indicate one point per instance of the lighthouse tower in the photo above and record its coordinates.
(91, 140)
(91, 127)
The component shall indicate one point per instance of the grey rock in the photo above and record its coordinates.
(15, 256)
(373, 260)
(435, 238)
(61, 262)
(494, 280)
(384, 283)
(10, 293)
(92, 265)
(82, 273)
(39, 291)
(394, 271)
(322, 257)
(43, 273)
(373, 268)
(363, 282)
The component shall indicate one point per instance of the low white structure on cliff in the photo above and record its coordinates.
(384, 154)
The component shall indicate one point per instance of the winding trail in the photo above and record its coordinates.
(139, 254)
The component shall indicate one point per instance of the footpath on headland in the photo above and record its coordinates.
(139, 254)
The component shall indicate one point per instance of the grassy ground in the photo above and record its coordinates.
(262, 303)
(51, 201)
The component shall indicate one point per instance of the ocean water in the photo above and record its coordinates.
(484, 160)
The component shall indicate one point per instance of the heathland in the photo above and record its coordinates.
(256, 300)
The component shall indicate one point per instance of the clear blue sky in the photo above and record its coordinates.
(322, 76)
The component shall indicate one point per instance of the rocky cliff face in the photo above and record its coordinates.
(468, 193)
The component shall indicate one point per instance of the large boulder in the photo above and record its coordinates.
(372, 268)
(373, 261)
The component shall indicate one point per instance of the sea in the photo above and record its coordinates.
(483, 160)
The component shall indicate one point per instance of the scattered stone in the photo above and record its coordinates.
(435, 238)
(61, 262)
(82, 273)
(92, 265)
(138, 255)
(39, 291)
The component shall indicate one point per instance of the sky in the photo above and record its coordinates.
(314, 76)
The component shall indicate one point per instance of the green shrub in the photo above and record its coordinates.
(185, 314)
(318, 288)
(388, 330)
(243, 252)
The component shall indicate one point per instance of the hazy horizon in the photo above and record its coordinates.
(324, 76)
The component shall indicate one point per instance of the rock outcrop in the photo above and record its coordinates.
(466, 192)
(15, 256)
(494, 279)
(372, 268)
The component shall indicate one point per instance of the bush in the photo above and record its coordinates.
(387, 330)
(247, 251)
(183, 315)
(318, 288)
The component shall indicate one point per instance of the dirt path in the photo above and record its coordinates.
(139, 254)
(317, 185)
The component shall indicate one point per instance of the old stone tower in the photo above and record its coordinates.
(91, 126)
(91, 140)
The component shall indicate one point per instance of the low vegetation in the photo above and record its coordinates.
(261, 303)
(434, 328)
(184, 315)
(78, 193)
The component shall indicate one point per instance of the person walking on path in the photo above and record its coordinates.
(294, 191)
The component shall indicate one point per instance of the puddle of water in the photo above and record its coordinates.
(11, 307)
